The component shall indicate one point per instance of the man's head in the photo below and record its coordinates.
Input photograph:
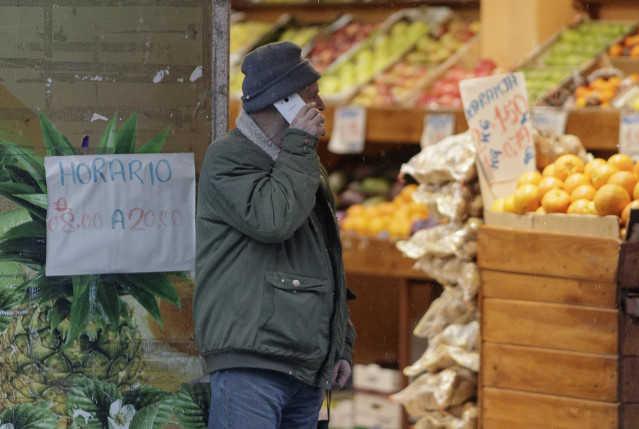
(272, 72)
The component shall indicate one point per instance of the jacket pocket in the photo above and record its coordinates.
(295, 314)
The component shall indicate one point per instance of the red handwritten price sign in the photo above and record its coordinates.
(629, 134)
(120, 213)
(496, 109)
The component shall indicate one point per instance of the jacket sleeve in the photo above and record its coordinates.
(268, 205)
(349, 342)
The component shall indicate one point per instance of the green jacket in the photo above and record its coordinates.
(270, 288)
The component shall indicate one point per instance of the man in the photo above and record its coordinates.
(270, 303)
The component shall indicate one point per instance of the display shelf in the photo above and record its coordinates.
(598, 129)
(253, 4)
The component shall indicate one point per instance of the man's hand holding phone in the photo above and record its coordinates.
(301, 115)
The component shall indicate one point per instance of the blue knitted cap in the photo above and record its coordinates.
(272, 72)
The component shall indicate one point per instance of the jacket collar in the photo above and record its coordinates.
(249, 128)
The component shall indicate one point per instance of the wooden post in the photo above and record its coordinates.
(510, 30)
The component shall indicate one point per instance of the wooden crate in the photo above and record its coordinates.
(558, 349)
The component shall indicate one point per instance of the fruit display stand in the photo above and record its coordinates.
(556, 348)
(373, 263)
(391, 298)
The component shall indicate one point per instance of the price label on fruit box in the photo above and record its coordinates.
(120, 213)
(496, 109)
(550, 120)
(349, 130)
(436, 128)
(629, 134)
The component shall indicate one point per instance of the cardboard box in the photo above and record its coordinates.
(602, 226)
(375, 378)
(376, 411)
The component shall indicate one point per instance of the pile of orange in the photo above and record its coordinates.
(600, 91)
(568, 185)
(393, 217)
(628, 47)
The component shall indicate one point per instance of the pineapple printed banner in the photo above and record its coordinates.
(123, 213)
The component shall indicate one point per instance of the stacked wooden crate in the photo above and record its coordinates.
(553, 338)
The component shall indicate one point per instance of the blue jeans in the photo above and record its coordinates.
(247, 398)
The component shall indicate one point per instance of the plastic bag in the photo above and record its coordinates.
(449, 308)
(457, 344)
(437, 391)
(445, 271)
(468, 419)
(452, 159)
(465, 336)
(549, 147)
(444, 240)
(441, 357)
(469, 280)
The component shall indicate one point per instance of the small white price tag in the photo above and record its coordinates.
(550, 120)
(629, 134)
(436, 128)
(349, 130)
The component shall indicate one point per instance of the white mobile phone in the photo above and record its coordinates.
(289, 106)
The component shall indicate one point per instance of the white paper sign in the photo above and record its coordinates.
(120, 213)
(349, 130)
(436, 128)
(549, 120)
(629, 134)
(496, 109)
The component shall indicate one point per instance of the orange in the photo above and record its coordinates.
(527, 198)
(568, 164)
(540, 210)
(497, 205)
(399, 227)
(590, 209)
(417, 210)
(601, 174)
(591, 165)
(406, 193)
(509, 203)
(625, 179)
(376, 225)
(635, 192)
(349, 223)
(532, 177)
(583, 192)
(575, 180)
(600, 83)
(625, 213)
(556, 201)
(611, 200)
(636, 168)
(622, 161)
(578, 207)
(615, 50)
(355, 209)
(548, 183)
(583, 91)
(386, 207)
(605, 95)
(548, 170)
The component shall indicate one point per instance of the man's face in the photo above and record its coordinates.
(311, 94)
